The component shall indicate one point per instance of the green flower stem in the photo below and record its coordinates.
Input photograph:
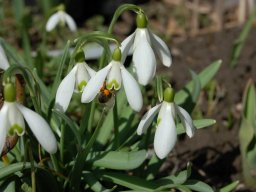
(96, 131)
(91, 118)
(81, 156)
(116, 125)
(33, 174)
(119, 11)
(62, 141)
(55, 163)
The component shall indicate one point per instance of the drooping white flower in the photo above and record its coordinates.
(75, 81)
(4, 64)
(143, 44)
(114, 74)
(166, 135)
(62, 18)
(12, 117)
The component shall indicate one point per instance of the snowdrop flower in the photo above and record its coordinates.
(12, 117)
(115, 75)
(75, 81)
(4, 64)
(143, 44)
(62, 18)
(166, 136)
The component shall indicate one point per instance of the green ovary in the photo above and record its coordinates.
(15, 129)
(81, 85)
(114, 84)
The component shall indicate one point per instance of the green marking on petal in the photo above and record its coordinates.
(114, 84)
(81, 85)
(158, 121)
(15, 129)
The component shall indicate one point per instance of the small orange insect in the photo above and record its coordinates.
(105, 94)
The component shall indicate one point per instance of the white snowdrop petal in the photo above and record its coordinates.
(90, 70)
(147, 119)
(40, 129)
(132, 90)
(126, 46)
(4, 64)
(144, 62)
(3, 126)
(165, 136)
(161, 49)
(141, 33)
(186, 121)
(70, 22)
(94, 85)
(65, 90)
(52, 21)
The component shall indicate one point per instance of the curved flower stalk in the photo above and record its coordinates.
(12, 117)
(143, 44)
(166, 135)
(75, 81)
(115, 75)
(62, 18)
(4, 64)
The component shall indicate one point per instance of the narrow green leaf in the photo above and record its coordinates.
(196, 86)
(174, 180)
(239, 43)
(249, 102)
(198, 186)
(183, 188)
(247, 135)
(191, 100)
(63, 61)
(119, 160)
(230, 187)
(10, 187)
(205, 76)
(131, 182)
(72, 125)
(93, 182)
(199, 124)
(13, 168)
(108, 124)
